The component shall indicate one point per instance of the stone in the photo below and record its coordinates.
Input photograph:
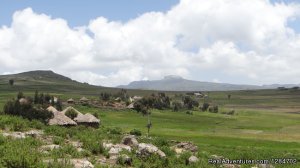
(148, 149)
(125, 159)
(49, 147)
(81, 163)
(15, 135)
(116, 149)
(187, 146)
(193, 159)
(130, 140)
(34, 133)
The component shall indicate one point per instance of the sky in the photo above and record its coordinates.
(115, 42)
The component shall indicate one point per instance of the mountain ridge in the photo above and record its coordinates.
(177, 83)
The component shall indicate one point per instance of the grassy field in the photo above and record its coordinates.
(266, 123)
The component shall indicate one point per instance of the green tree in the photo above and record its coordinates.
(11, 82)
(36, 97)
(71, 114)
(20, 95)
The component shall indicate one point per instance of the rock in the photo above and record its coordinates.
(265, 166)
(130, 140)
(107, 145)
(187, 146)
(161, 154)
(193, 159)
(125, 159)
(81, 163)
(116, 149)
(148, 149)
(34, 133)
(15, 135)
(49, 147)
(178, 150)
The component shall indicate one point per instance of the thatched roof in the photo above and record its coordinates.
(84, 99)
(86, 118)
(70, 100)
(52, 109)
(71, 108)
(62, 120)
(130, 106)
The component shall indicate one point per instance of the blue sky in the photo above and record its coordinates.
(80, 12)
(120, 41)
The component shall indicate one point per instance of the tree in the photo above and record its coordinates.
(71, 114)
(20, 95)
(36, 97)
(11, 82)
(177, 106)
(59, 105)
(190, 103)
(229, 96)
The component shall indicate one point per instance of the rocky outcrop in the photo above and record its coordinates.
(81, 163)
(130, 140)
(14, 135)
(145, 150)
(115, 149)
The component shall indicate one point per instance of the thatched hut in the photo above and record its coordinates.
(70, 101)
(84, 99)
(130, 106)
(52, 109)
(71, 108)
(88, 120)
(61, 120)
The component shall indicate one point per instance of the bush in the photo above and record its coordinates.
(214, 109)
(135, 132)
(189, 112)
(177, 106)
(26, 111)
(205, 107)
(71, 114)
(115, 131)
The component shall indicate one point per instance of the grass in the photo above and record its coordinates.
(266, 123)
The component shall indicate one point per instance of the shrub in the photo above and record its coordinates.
(177, 106)
(115, 131)
(71, 114)
(189, 112)
(205, 107)
(135, 132)
(231, 112)
(213, 109)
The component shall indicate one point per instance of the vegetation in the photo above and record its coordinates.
(260, 124)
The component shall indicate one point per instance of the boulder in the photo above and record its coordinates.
(187, 146)
(15, 135)
(130, 140)
(34, 133)
(149, 149)
(49, 147)
(81, 163)
(115, 149)
(193, 159)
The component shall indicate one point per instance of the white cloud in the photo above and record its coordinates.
(249, 38)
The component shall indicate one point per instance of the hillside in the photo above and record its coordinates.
(177, 83)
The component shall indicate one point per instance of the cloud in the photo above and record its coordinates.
(228, 39)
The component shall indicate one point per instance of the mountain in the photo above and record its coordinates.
(177, 83)
(47, 81)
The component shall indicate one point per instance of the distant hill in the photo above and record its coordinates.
(177, 83)
(47, 81)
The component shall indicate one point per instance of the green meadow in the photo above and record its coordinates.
(265, 125)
